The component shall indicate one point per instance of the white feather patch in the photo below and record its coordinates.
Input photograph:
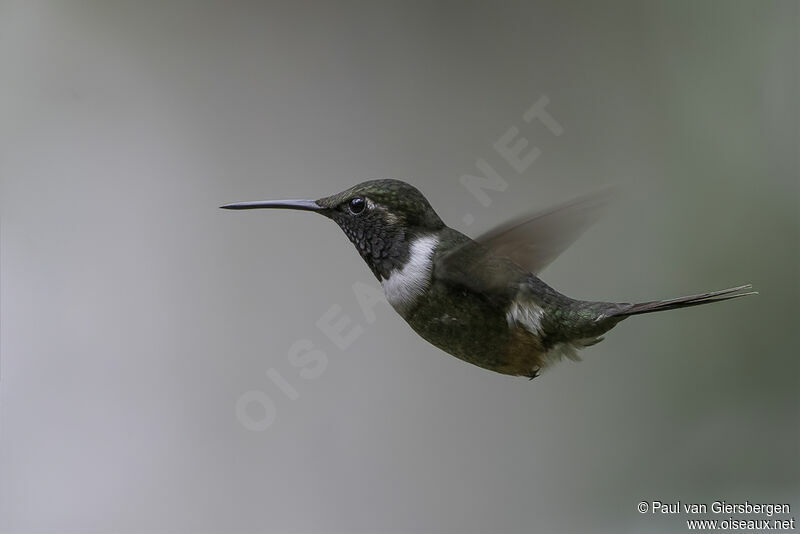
(405, 285)
(526, 314)
(569, 350)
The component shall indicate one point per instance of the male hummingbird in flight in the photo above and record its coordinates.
(479, 300)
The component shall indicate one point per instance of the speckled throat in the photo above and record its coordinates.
(383, 248)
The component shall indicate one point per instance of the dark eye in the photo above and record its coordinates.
(356, 205)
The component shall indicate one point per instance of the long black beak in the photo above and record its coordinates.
(304, 205)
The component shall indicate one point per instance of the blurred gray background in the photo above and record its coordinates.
(135, 314)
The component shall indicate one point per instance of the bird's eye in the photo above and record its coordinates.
(356, 205)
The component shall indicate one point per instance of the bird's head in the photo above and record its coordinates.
(380, 217)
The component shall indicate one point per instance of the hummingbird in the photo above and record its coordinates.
(479, 300)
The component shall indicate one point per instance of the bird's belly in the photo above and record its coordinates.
(475, 330)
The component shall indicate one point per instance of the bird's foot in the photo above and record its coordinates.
(536, 372)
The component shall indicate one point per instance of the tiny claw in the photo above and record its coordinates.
(534, 374)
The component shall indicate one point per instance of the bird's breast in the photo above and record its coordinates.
(407, 284)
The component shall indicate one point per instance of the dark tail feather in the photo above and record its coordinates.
(683, 302)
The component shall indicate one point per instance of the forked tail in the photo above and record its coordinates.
(682, 302)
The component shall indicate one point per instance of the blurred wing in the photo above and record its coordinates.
(533, 241)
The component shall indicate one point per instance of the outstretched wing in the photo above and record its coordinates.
(533, 241)
(490, 264)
